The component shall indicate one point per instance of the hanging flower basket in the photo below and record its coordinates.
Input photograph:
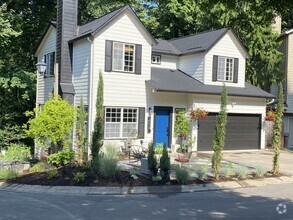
(270, 115)
(198, 113)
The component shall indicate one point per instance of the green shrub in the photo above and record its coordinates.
(230, 165)
(7, 174)
(61, 158)
(260, 171)
(159, 149)
(242, 171)
(107, 167)
(182, 175)
(52, 174)
(152, 160)
(226, 172)
(201, 174)
(156, 179)
(79, 177)
(17, 152)
(95, 167)
(165, 161)
(110, 151)
(40, 167)
(86, 166)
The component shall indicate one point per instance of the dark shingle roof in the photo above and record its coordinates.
(194, 43)
(94, 25)
(166, 80)
(165, 47)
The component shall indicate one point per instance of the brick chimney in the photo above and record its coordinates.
(66, 29)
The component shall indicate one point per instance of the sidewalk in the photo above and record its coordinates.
(88, 191)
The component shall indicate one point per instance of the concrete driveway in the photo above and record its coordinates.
(263, 158)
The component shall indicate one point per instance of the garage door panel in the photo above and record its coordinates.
(242, 132)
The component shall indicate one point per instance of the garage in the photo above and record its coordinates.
(243, 132)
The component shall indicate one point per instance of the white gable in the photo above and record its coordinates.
(228, 46)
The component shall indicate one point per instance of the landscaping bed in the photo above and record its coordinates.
(122, 178)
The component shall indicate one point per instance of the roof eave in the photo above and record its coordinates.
(206, 93)
(127, 7)
(36, 50)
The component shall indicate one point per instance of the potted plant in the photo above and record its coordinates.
(198, 113)
(181, 128)
(270, 115)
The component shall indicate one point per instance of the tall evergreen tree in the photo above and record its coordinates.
(80, 131)
(220, 134)
(98, 133)
(278, 130)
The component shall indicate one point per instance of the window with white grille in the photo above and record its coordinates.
(123, 57)
(121, 122)
(225, 69)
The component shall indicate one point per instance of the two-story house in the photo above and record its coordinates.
(146, 80)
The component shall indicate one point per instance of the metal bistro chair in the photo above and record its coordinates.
(184, 159)
(137, 152)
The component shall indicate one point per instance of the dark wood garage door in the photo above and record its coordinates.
(243, 132)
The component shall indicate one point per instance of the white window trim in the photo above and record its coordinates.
(46, 57)
(225, 73)
(160, 58)
(123, 58)
(121, 122)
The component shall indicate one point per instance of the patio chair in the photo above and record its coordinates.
(183, 159)
(137, 152)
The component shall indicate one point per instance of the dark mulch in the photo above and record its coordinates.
(123, 178)
(66, 178)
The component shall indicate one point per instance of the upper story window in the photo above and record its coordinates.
(49, 59)
(123, 57)
(156, 59)
(225, 69)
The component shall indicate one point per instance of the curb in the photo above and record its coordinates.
(94, 191)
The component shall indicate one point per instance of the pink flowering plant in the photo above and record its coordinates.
(270, 115)
(198, 113)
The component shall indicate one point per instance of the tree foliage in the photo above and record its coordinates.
(277, 131)
(181, 127)
(52, 123)
(220, 134)
(80, 131)
(98, 133)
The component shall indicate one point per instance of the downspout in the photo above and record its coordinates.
(90, 95)
(271, 102)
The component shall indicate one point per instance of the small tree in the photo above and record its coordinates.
(181, 127)
(80, 131)
(165, 164)
(98, 133)
(278, 130)
(220, 134)
(152, 161)
(52, 123)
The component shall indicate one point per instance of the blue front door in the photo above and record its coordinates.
(162, 126)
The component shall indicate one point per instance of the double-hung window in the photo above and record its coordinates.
(225, 69)
(123, 57)
(49, 59)
(121, 122)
